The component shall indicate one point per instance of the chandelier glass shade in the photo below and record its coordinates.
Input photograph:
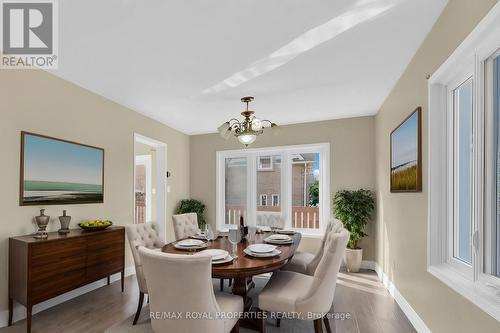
(248, 129)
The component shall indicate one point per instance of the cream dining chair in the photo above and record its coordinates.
(182, 284)
(185, 225)
(143, 234)
(305, 262)
(312, 296)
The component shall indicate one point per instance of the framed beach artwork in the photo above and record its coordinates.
(406, 154)
(55, 172)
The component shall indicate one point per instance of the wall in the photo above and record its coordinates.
(352, 159)
(38, 102)
(402, 218)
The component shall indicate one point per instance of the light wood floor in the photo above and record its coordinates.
(371, 307)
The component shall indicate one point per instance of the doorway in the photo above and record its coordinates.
(150, 181)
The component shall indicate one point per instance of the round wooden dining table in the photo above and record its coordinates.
(244, 266)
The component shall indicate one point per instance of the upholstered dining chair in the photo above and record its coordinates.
(305, 262)
(182, 284)
(146, 235)
(185, 225)
(312, 296)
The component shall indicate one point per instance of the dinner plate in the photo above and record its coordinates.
(278, 242)
(279, 237)
(216, 254)
(264, 228)
(286, 232)
(199, 236)
(274, 253)
(222, 261)
(190, 242)
(187, 248)
(261, 248)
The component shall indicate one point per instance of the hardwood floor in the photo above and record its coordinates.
(371, 307)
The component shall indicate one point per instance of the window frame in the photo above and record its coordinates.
(285, 152)
(271, 166)
(471, 56)
(260, 200)
(277, 200)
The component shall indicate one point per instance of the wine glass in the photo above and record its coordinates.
(209, 233)
(252, 231)
(234, 238)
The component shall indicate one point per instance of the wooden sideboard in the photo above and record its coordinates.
(42, 269)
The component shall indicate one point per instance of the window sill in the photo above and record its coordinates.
(486, 297)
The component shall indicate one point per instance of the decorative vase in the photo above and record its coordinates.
(353, 259)
(64, 219)
(42, 221)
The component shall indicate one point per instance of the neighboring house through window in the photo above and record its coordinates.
(276, 200)
(263, 199)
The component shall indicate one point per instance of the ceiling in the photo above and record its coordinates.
(188, 63)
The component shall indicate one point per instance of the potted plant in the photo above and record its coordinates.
(192, 206)
(354, 209)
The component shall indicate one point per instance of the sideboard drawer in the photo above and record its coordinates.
(57, 284)
(106, 240)
(104, 269)
(46, 253)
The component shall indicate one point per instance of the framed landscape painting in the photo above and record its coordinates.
(55, 172)
(406, 154)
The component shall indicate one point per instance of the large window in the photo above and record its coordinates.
(290, 187)
(464, 168)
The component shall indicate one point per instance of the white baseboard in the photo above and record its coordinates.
(20, 310)
(410, 313)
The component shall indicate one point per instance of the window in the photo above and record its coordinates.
(265, 163)
(263, 200)
(276, 200)
(291, 192)
(464, 168)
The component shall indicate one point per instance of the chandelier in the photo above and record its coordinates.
(247, 130)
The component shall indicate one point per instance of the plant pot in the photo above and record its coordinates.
(352, 259)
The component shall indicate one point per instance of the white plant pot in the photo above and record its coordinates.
(353, 259)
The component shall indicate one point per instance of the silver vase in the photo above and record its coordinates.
(42, 221)
(64, 219)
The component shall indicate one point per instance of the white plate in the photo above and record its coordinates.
(216, 254)
(280, 237)
(187, 248)
(264, 228)
(274, 253)
(222, 261)
(261, 248)
(199, 236)
(278, 242)
(286, 232)
(190, 242)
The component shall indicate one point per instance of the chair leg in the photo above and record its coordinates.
(221, 284)
(236, 328)
(327, 324)
(278, 322)
(139, 307)
(318, 326)
(262, 321)
(230, 282)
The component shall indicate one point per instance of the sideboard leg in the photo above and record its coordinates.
(123, 279)
(28, 318)
(11, 310)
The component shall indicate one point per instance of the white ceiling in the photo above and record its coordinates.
(187, 63)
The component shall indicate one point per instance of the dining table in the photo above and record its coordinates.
(244, 267)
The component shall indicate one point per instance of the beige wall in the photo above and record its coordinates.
(39, 102)
(402, 218)
(352, 159)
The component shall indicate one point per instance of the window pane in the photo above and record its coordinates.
(236, 189)
(463, 189)
(305, 190)
(268, 184)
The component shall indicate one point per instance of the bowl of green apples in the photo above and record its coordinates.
(95, 225)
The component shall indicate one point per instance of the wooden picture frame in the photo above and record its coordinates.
(50, 182)
(406, 154)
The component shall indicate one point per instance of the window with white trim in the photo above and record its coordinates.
(263, 199)
(464, 168)
(276, 200)
(293, 194)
